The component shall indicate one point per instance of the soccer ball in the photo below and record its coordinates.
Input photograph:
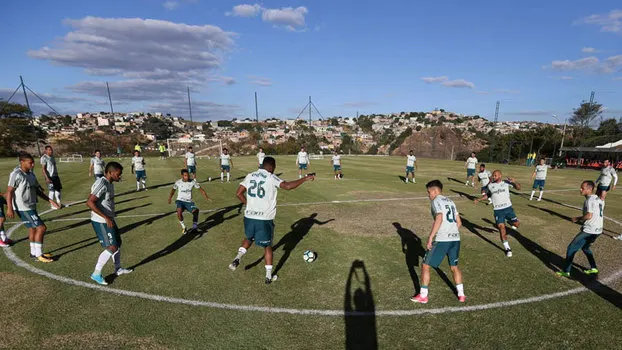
(309, 256)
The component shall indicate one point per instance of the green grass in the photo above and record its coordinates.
(43, 312)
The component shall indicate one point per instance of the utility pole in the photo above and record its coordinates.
(109, 98)
(492, 149)
(257, 119)
(309, 110)
(30, 114)
(190, 109)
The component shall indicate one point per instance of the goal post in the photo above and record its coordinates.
(205, 148)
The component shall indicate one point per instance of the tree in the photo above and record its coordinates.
(224, 123)
(16, 128)
(159, 127)
(586, 114)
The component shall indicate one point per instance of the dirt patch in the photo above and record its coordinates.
(97, 340)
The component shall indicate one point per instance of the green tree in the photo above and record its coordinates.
(162, 129)
(16, 128)
(586, 114)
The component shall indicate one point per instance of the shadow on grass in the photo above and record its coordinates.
(88, 210)
(413, 250)
(568, 218)
(359, 309)
(464, 194)
(555, 263)
(211, 221)
(474, 228)
(455, 180)
(402, 178)
(299, 230)
(447, 281)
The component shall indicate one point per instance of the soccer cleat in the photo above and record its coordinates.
(592, 271)
(514, 227)
(122, 271)
(508, 253)
(6, 243)
(531, 198)
(234, 264)
(618, 237)
(539, 199)
(462, 298)
(183, 231)
(44, 259)
(419, 299)
(195, 225)
(563, 274)
(99, 279)
(46, 255)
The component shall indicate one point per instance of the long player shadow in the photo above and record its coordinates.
(211, 221)
(413, 251)
(474, 228)
(455, 180)
(88, 210)
(464, 194)
(564, 217)
(299, 230)
(555, 263)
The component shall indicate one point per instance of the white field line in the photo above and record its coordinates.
(17, 261)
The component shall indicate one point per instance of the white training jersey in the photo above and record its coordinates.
(410, 161)
(50, 165)
(303, 158)
(449, 228)
(190, 159)
(25, 185)
(261, 191)
(593, 204)
(104, 191)
(606, 175)
(471, 162)
(499, 193)
(260, 157)
(138, 163)
(225, 159)
(336, 159)
(98, 165)
(184, 189)
(484, 177)
(541, 171)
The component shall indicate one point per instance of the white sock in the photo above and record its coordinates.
(51, 195)
(406, 180)
(228, 176)
(182, 224)
(532, 193)
(414, 180)
(460, 288)
(137, 185)
(32, 249)
(506, 245)
(540, 197)
(222, 176)
(424, 292)
(144, 183)
(269, 271)
(101, 261)
(57, 194)
(38, 249)
(299, 176)
(2, 235)
(241, 253)
(116, 257)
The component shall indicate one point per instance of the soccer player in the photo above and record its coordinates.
(539, 174)
(162, 150)
(50, 172)
(184, 199)
(499, 192)
(138, 167)
(260, 199)
(225, 164)
(444, 241)
(411, 163)
(21, 196)
(470, 165)
(483, 177)
(302, 161)
(336, 160)
(97, 165)
(592, 228)
(260, 157)
(4, 240)
(101, 203)
(604, 180)
(191, 163)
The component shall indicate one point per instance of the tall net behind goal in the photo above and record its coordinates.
(207, 148)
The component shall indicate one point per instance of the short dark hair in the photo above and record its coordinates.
(113, 166)
(482, 165)
(97, 151)
(189, 147)
(434, 183)
(25, 156)
(589, 184)
(136, 151)
(225, 149)
(184, 171)
(48, 146)
(269, 161)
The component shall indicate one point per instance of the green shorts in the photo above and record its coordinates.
(336, 167)
(538, 184)
(440, 250)
(603, 188)
(189, 206)
(30, 218)
(302, 166)
(107, 236)
(506, 214)
(470, 172)
(259, 231)
(55, 184)
(410, 169)
(192, 169)
(225, 167)
(141, 174)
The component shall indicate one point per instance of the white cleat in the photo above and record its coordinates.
(122, 271)
(508, 253)
(539, 199)
(618, 237)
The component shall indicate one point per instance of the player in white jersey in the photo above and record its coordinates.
(483, 177)
(101, 203)
(260, 157)
(302, 161)
(499, 192)
(539, 178)
(336, 162)
(607, 174)
(191, 162)
(411, 164)
(225, 164)
(258, 192)
(444, 241)
(470, 165)
(21, 197)
(592, 228)
(50, 173)
(97, 165)
(138, 167)
(184, 201)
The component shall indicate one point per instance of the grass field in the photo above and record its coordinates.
(190, 299)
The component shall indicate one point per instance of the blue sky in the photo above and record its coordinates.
(538, 58)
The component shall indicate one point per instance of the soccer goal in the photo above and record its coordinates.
(74, 158)
(203, 149)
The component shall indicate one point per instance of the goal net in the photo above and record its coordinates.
(203, 149)
(74, 158)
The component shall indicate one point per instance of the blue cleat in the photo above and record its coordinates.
(99, 279)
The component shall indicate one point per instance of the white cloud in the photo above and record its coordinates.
(245, 10)
(583, 63)
(170, 5)
(565, 77)
(292, 19)
(617, 78)
(589, 50)
(201, 110)
(261, 81)
(610, 22)
(459, 83)
(432, 80)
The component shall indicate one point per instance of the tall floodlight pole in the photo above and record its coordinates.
(109, 98)
(190, 109)
(310, 110)
(563, 135)
(30, 114)
(257, 118)
(492, 149)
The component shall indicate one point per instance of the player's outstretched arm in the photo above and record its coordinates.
(290, 185)
(204, 193)
(170, 196)
(91, 202)
(484, 197)
(241, 194)
(514, 183)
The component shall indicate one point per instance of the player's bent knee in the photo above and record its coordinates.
(112, 248)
